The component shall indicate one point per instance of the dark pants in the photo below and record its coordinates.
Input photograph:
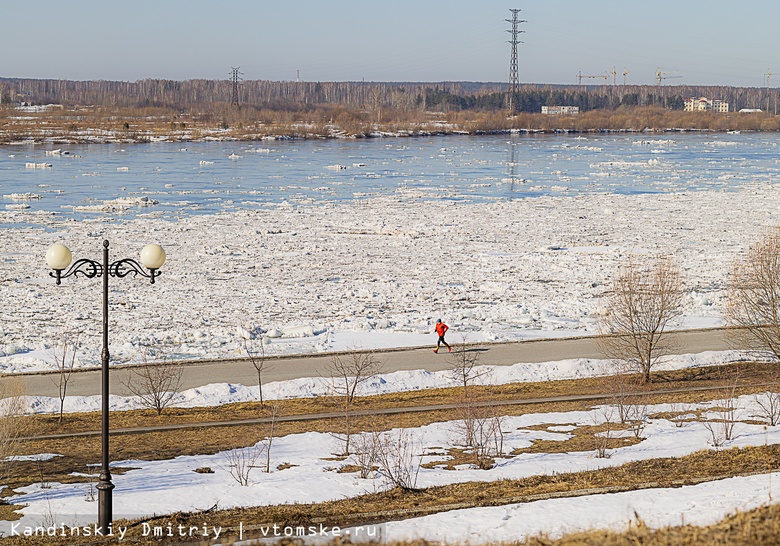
(441, 340)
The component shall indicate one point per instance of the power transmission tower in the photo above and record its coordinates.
(514, 80)
(235, 77)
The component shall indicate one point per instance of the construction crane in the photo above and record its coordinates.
(768, 75)
(605, 75)
(660, 76)
(625, 73)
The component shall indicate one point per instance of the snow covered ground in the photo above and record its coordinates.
(311, 474)
(314, 278)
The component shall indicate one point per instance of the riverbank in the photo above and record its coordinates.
(56, 124)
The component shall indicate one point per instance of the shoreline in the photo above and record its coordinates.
(148, 139)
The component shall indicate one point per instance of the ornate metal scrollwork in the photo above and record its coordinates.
(89, 268)
(128, 266)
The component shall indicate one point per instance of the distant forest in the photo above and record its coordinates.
(442, 96)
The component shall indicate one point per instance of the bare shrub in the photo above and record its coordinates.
(364, 452)
(643, 301)
(64, 356)
(604, 415)
(753, 303)
(347, 373)
(155, 385)
(622, 384)
(398, 458)
(721, 428)
(680, 409)
(241, 461)
(488, 442)
(769, 405)
(479, 430)
(637, 417)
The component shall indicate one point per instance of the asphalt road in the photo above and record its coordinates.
(197, 374)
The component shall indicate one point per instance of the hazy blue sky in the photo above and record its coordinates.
(715, 42)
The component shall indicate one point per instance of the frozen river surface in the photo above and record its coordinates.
(323, 245)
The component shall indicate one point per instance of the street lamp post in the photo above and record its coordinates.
(59, 257)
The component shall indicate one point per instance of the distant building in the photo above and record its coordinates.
(557, 110)
(750, 110)
(704, 104)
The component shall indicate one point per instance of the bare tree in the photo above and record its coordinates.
(465, 370)
(348, 373)
(274, 412)
(753, 304)
(155, 385)
(642, 303)
(256, 354)
(64, 356)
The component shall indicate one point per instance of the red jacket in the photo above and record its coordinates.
(441, 328)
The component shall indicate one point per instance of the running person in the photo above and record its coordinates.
(441, 329)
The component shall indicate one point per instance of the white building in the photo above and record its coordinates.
(571, 110)
(704, 104)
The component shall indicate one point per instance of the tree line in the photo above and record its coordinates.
(410, 96)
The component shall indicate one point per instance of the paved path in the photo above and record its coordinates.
(367, 412)
(197, 374)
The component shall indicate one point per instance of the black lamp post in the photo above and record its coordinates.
(59, 257)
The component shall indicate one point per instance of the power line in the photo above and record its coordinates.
(514, 79)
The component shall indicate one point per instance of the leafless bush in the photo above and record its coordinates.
(623, 385)
(721, 429)
(488, 441)
(643, 301)
(241, 461)
(92, 477)
(364, 452)
(479, 429)
(637, 417)
(604, 415)
(155, 385)
(680, 409)
(398, 458)
(347, 374)
(64, 356)
(753, 304)
(769, 405)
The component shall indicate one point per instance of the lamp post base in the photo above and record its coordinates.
(105, 503)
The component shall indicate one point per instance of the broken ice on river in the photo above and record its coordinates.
(503, 237)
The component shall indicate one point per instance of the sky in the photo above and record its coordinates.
(712, 43)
